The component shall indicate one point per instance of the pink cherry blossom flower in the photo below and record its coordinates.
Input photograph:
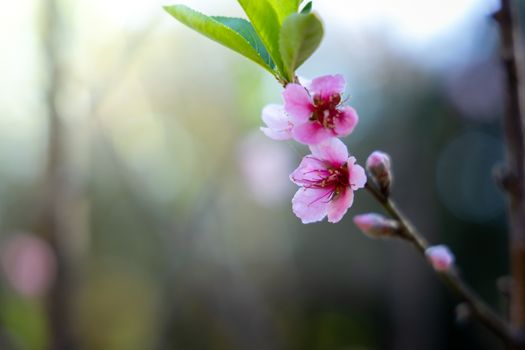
(316, 112)
(440, 257)
(328, 179)
(279, 126)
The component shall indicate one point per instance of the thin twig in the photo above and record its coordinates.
(451, 278)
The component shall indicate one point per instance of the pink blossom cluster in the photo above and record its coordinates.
(314, 114)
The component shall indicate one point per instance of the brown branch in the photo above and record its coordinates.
(515, 172)
(451, 278)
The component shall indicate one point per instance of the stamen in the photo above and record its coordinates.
(318, 199)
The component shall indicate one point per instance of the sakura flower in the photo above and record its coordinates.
(328, 179)
(278, 125)
(316, 112)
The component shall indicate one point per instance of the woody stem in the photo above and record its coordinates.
(451, 278)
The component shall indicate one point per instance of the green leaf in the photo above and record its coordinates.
(246, 30)
(236, 34)
(284, 8)
(301, 35)
(307, 8)
(265, 20)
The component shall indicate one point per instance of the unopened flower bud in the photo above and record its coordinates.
(440, 257)
(376, 226)
(379, 165)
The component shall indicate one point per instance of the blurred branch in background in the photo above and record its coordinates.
(55, 224)
(58, 223)
(513, 179)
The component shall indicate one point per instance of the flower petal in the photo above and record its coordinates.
(310, 171)
(339, 205)
(311, 133)
(310, 205)
(332, 150)
(346, 121)
(297, 103)
(274, 116)
(278, 124)
(305, 82)
(356, 174)
(328, 85)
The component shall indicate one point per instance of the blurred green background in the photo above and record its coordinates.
(141, 207)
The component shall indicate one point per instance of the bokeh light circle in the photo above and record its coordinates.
(464, 176)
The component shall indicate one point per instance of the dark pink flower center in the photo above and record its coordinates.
(325, 110)
(333, 178)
